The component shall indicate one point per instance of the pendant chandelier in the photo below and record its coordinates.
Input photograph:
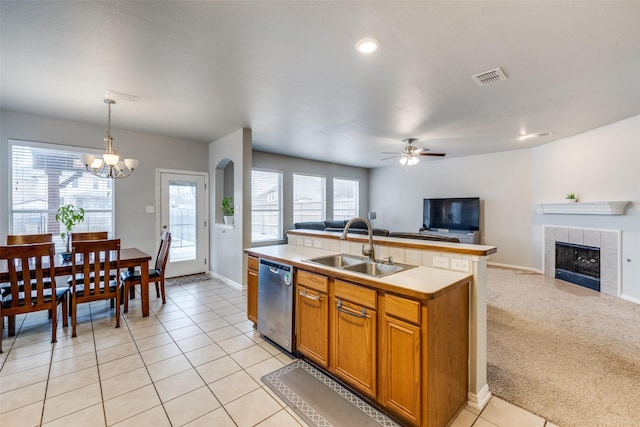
(110, 165)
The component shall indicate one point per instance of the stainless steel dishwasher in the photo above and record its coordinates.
(275, 303)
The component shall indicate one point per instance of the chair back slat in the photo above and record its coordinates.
(89, 235)
(27, 239)
(93, 259)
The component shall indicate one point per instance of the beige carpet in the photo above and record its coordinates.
(566, 353)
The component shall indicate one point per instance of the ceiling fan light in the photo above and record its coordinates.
(403, 160)
(413, 161)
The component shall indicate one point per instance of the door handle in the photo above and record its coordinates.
(303, 293)
(362, 314)
(164, 227)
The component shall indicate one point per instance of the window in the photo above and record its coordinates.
(346, 198)
(44, 177)
(308, 198)
(266, 206)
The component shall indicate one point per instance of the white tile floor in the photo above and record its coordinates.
(195, 361)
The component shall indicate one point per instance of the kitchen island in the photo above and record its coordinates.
(401, 340)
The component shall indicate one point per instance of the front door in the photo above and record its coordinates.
(183, 212)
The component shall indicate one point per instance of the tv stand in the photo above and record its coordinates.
(465, 236)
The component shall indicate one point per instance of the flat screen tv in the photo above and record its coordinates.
(452, 213)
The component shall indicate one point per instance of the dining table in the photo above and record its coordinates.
(130, 258)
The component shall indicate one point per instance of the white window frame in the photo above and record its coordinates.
(49, 211)
(321, 212)
(336, 216)
(279, 225)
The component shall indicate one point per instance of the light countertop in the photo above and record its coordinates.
(419, 282)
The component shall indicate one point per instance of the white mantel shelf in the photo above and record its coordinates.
(584, 208)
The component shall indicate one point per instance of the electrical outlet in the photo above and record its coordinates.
(299, 241)
(460, 264)
(440, 262)
(307, 242)
(150, 209)
(317, 244)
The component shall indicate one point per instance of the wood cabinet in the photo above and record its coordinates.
(312, 316)
(408, 353)
(252, 289)
(400, 358)
(354, 336)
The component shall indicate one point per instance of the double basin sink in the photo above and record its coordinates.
(359, 264)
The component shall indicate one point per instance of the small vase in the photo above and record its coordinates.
(228, 220)
(571, 200)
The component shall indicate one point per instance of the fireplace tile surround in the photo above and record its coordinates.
(607, 240)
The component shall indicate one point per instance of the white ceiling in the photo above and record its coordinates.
(290, 71)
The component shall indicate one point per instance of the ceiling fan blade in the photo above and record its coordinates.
(431, 154)
(390, 152)
(390, 157)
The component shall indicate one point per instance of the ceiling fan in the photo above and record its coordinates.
(410, 153)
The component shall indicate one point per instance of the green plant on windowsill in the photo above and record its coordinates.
(69, 216)
(228, 210)
(571, 197)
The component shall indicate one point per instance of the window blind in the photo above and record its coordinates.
(266, 206)
(346, 198)
(309, 201)
(44, 177)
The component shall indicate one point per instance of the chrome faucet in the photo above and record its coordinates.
(370, 253)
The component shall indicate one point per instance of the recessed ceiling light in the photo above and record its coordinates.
(367, 45)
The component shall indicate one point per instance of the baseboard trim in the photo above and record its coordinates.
(514, 267)
(479, 400)
(630, 299)
(226, 280)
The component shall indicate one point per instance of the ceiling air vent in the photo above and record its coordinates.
(489, 77)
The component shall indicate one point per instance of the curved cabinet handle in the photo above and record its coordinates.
(361, 315)
(303, 293)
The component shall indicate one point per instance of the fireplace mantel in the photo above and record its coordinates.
(584, 208)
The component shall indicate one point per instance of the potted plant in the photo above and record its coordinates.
(571, 197)
(227, 209)
(69, 216)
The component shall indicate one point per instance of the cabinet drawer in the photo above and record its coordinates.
(252, 263)
(356, 294)
(313, 281)
(402, 308)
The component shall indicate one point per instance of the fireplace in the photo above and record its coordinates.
(578, 264)
(608, 242)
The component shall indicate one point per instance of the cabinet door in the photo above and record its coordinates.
(252, 289)
(354, 345)
(401, 368)
(312, 324)
(252, 295)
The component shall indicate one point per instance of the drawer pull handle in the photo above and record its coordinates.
(362, 314)
(303, 293)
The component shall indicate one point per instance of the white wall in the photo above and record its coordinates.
(600, 165)
(133, 225)
(227, 244)
(501, 180)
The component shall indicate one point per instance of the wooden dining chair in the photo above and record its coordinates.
(156, 275)
(94, 258)
(26, 239)
(87, 235)
(27, 263)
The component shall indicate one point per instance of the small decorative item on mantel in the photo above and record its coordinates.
(571, 198)
(69, 216)
(228, 210)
